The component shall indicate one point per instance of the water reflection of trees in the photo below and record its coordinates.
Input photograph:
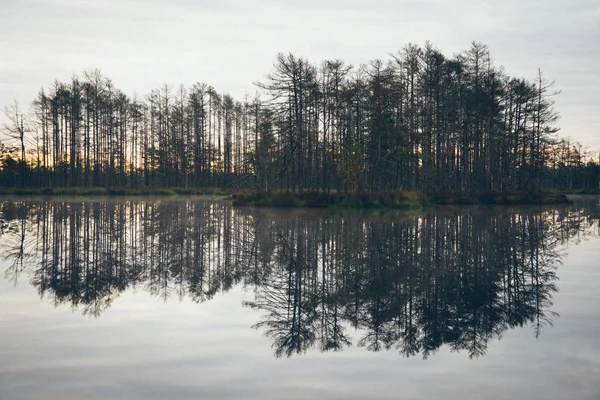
(412, 284)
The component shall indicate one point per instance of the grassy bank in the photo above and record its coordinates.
(393, 199)
(403, 200)
(113, 191)
(594, 192)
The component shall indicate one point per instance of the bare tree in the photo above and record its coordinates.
(16, 129)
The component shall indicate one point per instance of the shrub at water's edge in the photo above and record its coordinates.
(393, 199)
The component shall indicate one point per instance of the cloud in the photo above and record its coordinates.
(230, 44)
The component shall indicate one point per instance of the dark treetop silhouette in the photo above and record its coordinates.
(420, 121)
(319, 280)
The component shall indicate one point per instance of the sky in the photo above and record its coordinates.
(229, 44)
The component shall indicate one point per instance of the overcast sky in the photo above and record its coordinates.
(141, 44)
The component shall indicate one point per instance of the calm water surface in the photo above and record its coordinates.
(193, 299)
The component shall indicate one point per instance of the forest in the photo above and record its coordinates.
(417, 121)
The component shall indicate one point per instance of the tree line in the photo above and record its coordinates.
(418, 121)
(412, 284)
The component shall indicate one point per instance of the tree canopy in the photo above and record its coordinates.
(417, 121)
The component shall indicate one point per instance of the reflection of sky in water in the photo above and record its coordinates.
(142, 347)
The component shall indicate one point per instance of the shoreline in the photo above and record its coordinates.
(399, 200)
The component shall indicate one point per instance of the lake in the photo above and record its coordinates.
(194, 299)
